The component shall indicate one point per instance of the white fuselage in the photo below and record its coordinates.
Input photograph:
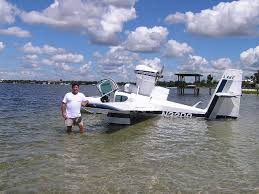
(136, 105)
(147, 99)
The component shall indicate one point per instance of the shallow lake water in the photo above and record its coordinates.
(160, 155)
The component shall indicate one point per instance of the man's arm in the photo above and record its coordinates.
(85, 102)
(63, 110)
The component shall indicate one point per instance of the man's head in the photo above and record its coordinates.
(75, 88)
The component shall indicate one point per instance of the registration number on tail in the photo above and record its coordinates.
(169, 114)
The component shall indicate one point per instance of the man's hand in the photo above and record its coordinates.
(85, 103)
(64, 115)
(63, 110)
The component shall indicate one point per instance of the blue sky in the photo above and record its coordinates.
(94, 39)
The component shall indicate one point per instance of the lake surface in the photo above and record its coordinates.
(159, 155)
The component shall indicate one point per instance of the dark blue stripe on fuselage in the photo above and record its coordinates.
(118, 115)
(102, 106)
(215, 98)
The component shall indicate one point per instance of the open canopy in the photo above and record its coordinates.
(107, 86)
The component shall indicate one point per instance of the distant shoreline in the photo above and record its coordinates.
(250, 91)
(44, 82)
(244, 90)
(69, 82)
(50, 82)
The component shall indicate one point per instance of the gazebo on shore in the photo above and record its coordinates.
(181, 86)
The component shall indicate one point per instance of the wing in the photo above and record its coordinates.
(105, 108)
(123, 112)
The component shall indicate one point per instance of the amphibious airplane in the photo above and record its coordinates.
(145, 99)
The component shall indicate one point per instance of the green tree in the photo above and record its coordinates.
(209, 79)
(256, 77)
(209, 82)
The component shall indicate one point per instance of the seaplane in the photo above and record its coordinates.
(145, 99)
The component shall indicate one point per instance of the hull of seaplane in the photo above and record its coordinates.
(141, 110)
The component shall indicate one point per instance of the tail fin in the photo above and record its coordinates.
(225, 101)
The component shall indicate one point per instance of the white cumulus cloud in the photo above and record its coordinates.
(175, 49)
(250, 57)
(116, 57)
(7, 12)
(226, 19)
(46, 62)
(31, 57)
(63, 67)
(145, 39)
(15, 31)
(45, 49)
(2, 46)
(222, 63)
(84, 69)
(194, 64)
(117, 61)
(29, 48)
(58, 59)
(100, 19)
(68, 58)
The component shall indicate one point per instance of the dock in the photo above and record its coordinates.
(182, 86)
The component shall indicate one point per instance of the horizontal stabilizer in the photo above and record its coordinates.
(228, 95)
(197, 104)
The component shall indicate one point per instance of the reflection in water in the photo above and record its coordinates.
(235, 154)
(139, 124)
(160, 155)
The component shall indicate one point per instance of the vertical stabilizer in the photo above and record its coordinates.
(225, 101)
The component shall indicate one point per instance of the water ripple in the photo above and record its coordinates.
(154, 156)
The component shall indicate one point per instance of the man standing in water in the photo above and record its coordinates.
(71, 106)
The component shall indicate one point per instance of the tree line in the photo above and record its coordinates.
(60, 82)
(249, 82)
